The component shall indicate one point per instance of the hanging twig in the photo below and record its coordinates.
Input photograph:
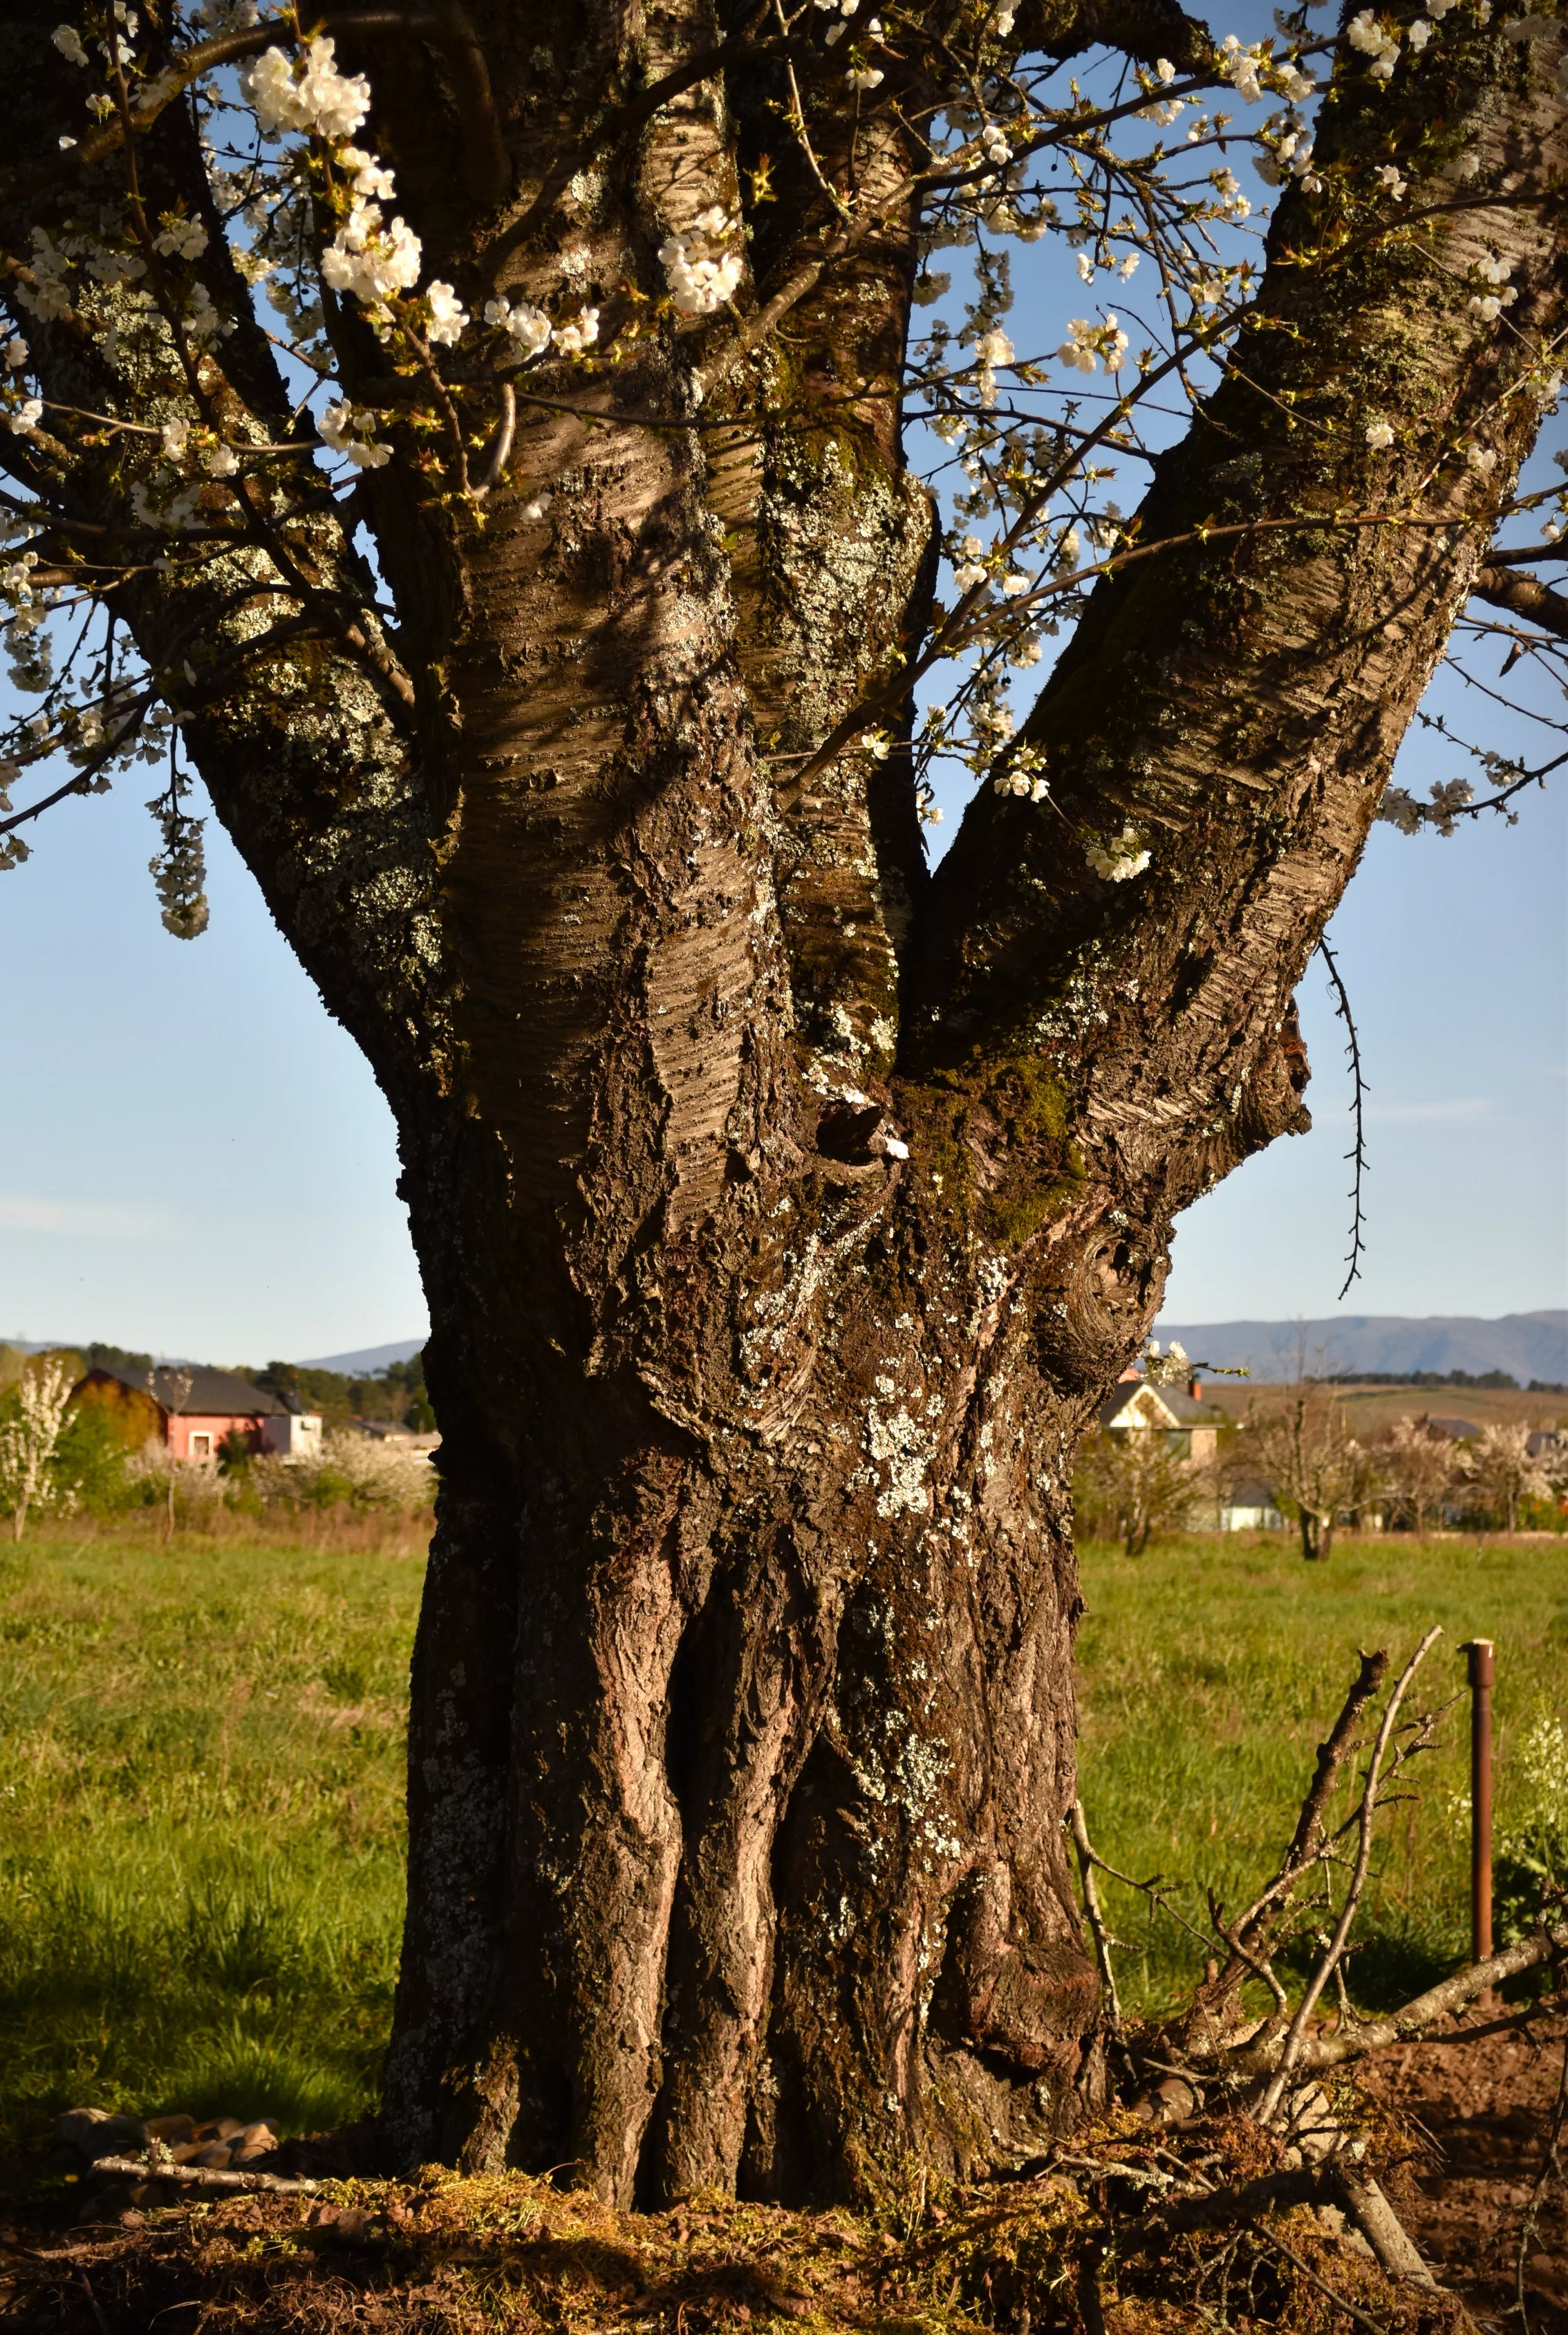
(1358, 1151)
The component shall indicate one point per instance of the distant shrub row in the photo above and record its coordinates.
(89, 1472)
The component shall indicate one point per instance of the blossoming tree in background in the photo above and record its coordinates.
(30, 1435)
(528, 462)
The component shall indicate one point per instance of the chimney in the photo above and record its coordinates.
(1195, 1387)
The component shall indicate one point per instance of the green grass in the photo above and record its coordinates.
(201, 1760)
(1211, 1670)
(201, 1754)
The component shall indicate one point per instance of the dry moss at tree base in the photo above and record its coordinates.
(1084, 2248)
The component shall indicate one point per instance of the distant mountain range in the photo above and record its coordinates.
(364, 1359)
(1527, 1345)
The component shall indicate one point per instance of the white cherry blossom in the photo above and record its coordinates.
(449, 318)
(1123, 856)
(579, 334)
(528, 326)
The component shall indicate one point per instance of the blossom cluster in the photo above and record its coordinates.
(1378, 37)
(369, 258)
(1119, 858)
(314, 97)
(349, 431)
(1490, 304)
(528, 327)
(699, 285)
(1088, 343)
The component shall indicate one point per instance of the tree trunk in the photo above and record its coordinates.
(1317, 1535)
(734, 1777)
(784, 1211)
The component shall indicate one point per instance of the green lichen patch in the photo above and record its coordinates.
(995, 1136)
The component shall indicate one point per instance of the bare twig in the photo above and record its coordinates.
(1269, 2106)
(1340, 2302)
(92, 2301)
(1250, 1936)
(1092, 1913)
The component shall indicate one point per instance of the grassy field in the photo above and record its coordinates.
(1209, 1671)
(201, 1769)
(200, 1824)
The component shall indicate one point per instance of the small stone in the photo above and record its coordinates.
(228, 2127)
(174, 2131)
(94, 2133)
(216, 2155)
(264, 2133)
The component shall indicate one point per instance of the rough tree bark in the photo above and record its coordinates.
(743, 1725)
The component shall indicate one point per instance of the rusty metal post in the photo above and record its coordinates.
(1479, 1652)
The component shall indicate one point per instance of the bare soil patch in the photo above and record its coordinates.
(1482, 2110)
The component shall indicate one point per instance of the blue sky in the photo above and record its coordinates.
(195, 1158)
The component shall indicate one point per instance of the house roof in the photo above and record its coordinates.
(197, 1391)
(1251, 1494)
(1179, 1407)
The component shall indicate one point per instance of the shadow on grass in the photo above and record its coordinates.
(235, 1994)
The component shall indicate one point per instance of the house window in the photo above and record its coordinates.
(200, 1444)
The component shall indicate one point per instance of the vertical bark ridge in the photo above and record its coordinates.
(832, 559)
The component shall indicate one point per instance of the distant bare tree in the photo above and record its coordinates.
(1304, 1450)
(177, 1386)
(1417, 1465)
(30, 1437)
(1133, 1485)
(1501, 1472)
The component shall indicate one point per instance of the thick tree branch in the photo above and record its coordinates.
(1159, 999)
(1522, 595)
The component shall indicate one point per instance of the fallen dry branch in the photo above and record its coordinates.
(1381, 2227)
(152, 2167)
(1409, 2024)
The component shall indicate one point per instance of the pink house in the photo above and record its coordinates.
(191, 1409)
